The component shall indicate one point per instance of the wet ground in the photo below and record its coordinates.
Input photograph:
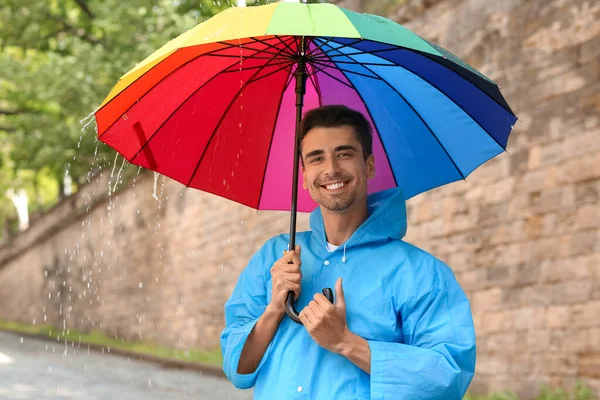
(39, 369)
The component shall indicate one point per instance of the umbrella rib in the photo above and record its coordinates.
(241, 57)
(323, 59)
(169, 117)
(139, 77)
(332, 39)
(259, 51)
(153, 86)
(430, 57)
(421, 118)
(424, 122)
(376, 127)
(372, 52)
(377, 77)
(272, 72)
(458, 105)
(331, 76)
(221, 121)
(439, 90)
(287, 45)
(291, 76)
(291, 53)
(232, 69)
(313, 79)
(264, 176)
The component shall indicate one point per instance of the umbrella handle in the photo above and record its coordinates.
(291, 310)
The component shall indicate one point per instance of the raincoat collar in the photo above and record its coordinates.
(387, 220)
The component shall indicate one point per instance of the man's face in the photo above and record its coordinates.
(335, 171)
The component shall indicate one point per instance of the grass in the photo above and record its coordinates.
(581, 392)
(211, 357)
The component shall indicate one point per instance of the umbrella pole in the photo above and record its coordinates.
(300, 91)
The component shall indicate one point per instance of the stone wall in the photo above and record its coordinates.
(522, 234)
(142, 263)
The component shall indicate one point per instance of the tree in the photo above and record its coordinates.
(59, 58)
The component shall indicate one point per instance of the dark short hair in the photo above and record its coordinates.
(338, 115)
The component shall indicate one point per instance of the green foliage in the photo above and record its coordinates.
(207, 357)
(59, 59)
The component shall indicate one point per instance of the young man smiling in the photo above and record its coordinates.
(400, 326)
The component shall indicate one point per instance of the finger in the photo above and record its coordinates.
(298, 250)
(304, 318)
(288, 286)
(322, 301)
(292, 277)
(309, 313)
(296, 259)
(295, 268)
(339, 294)
(287, 257)
(315, 308)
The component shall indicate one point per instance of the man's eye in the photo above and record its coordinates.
(344, 155)
(316, 159)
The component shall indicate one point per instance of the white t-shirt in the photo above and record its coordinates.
(331, 247)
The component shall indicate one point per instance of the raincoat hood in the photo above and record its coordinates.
(387, 220)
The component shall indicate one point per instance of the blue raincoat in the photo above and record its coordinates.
(406, 303)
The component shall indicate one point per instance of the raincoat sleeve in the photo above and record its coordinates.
(437, 359)
(246, 304)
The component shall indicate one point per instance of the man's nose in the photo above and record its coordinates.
(332, 165)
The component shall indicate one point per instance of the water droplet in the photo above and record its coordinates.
(141, 285)
(21, 340)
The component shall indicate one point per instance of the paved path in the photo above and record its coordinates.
(36, 369)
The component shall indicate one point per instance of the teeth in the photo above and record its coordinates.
(335, 186)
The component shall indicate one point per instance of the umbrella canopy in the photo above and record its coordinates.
(215, 108)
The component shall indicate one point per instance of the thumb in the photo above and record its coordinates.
(339, 294)
(298, 250)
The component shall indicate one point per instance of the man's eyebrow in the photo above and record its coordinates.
(345, 147)
(314, 153)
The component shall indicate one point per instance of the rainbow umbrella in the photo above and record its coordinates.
(216, 107)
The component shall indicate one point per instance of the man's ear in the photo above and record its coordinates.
(304, 181)
(371, 167)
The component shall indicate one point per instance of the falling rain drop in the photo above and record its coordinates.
(156, 174)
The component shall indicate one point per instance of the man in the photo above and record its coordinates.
(400, 326)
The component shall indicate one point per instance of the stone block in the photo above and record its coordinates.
(589, 365)
(536, 296)
(558, 317)
(571, 292)
(495, 321)
(529, 318)
(499, 191)
(537, 340)
(489, 299)
(580, 169)
(586, 314)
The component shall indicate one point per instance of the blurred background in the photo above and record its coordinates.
(94, 250)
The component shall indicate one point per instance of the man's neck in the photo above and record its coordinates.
(339, 226)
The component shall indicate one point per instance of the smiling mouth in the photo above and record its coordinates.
(335, 185)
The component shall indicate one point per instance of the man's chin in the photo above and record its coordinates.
(335, 205)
